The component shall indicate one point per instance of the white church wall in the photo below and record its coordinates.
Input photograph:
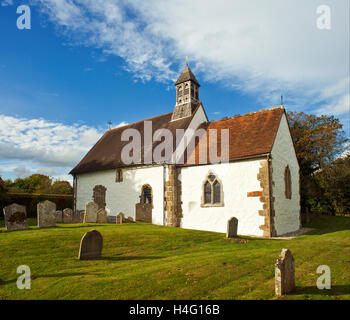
(238, 178)
(286, 210)
(122, 196)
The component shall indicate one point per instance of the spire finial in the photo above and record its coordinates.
(282, 100)
(186, 61)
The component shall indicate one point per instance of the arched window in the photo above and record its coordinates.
(179, 91)
(119, 175)
(213, 195)
(287, 183)
(146, 195)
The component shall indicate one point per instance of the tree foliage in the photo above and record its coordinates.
(39, 183)
(318, 141)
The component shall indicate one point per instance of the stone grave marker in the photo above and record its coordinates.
(67, 215)
(91, 209)
(59, 216)
(284, 273)
(101, 216)
(120, 218)
(15, 217)
(232, 226)
(91, 246)
(46, 214)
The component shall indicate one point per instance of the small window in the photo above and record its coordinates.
(146, 195)
(119, 175)
(212, 192)
(179, 91)
(287, 183)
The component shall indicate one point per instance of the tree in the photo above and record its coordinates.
(36, 183)
(61, 187)
(318, 140)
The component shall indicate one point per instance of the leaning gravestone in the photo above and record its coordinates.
(67, 215)
(46, 214)
(232, 226)
(59, 216)
(101, 216)
(91, 246)
(284, 273)
(91, 209)
(15, 217)
(120, 218)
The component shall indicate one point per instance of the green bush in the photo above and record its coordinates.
(30, 201)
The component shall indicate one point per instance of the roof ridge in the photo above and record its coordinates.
(147, 119)
(250, 113)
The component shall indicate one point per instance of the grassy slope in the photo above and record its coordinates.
(143, 261)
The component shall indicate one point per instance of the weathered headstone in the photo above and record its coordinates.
(232, 226)
(284, 273)
(59, 216)
(91, 212)
(120, 218)
(67, 215)
(101, 216)
(111, 219)
(129, 219)
(91, 246)
(15, 217)
(78, 216)
(46, 214)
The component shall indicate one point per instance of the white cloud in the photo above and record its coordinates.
(262, 47)
(6, 3)
(38, 145)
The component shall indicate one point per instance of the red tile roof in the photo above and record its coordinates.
(250, 135)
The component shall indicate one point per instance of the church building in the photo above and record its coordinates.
(257, 183)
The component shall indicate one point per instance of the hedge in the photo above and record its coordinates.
(30, 201)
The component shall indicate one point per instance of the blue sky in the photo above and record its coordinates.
(86, 62)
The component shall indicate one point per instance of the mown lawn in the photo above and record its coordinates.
(142, 261)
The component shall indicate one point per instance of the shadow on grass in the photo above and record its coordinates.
(56, 275)
(336, 290)
(328, 224)
(130, 258)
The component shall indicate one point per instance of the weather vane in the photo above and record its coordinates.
(109, 124)
(186, 61)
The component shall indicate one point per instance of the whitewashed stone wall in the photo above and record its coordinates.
(122, 196)
(283, 154)
(238, 178)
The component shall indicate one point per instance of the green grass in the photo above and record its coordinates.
(142, 261)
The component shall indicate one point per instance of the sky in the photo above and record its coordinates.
(86, 62)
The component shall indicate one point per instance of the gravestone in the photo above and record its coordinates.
(120, 218)
(67, 215)
(101, 216)
(15, 217)
(284, 273)
(91, 246)
(46, 214)
(78, 216)
(112, 219)
(232, 226)
(91, 212)
(59, 216)
(129, 219)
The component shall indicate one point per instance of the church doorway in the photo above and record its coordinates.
(145, 206)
